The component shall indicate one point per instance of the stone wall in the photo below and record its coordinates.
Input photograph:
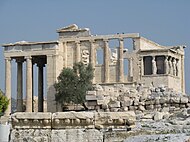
(68, 126)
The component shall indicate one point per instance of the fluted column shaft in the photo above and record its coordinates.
(40, 88)
(121, 67)
(8, 83)
(92, 56)
(106, 62)
(29, 84)
(65, 53)
(78, 51)
(19, 86)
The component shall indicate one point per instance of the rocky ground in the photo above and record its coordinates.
(175, 128)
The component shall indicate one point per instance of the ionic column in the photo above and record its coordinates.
(131, 67)
(29, 84)
(92, 56)
(154, 67)
(166, 65)
(78, 51)
(121, 68)
(19, 85)
(40, 87)
(65, 53)
(106, 61)
(8, 83)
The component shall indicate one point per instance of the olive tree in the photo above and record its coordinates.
(73, 83)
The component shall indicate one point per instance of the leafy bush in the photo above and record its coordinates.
(4, 102)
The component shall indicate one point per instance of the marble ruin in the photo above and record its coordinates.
(148, 63)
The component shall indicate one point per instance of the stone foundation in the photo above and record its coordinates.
(69, 126)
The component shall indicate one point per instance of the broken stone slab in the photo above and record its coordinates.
(160, 115)
(175, 99)
(183, 100)
(148, 116)
(127, 103)
(90, 97)
(141, 107)
(114, 119)
(108, 88)
(149, 107)
(114, 104)
(91, 92)
(136, 102)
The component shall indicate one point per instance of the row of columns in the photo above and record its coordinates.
(106, 58)
(171, 66)
(29, 84)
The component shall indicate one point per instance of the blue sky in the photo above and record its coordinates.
(165, 22)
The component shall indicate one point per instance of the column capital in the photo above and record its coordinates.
(28, 57)
(77, 41)
(105, 39)
(92, 41)
(120, 39)
(8, 58)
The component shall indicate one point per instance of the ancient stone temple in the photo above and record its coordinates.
(148, 63)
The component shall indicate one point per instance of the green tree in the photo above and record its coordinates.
(73, 83)
(4, 102)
